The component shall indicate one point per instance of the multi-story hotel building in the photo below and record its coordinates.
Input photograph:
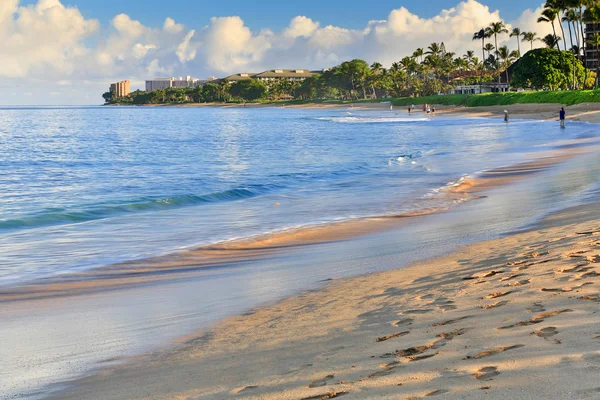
(591, 54)
(273, 75)
(120, 89)
(166, 83)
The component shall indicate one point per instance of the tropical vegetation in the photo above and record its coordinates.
(433, 70)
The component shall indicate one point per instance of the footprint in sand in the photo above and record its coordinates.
(520, 323)
(424, 311)
(486, 374)
(321, 382)
(536, 308)
(491, 352)
(436, 393)
(495, 305)
(403, 322)
(546, 332)
(497, 294)
(593, 259)
(391, 336)
(514, 276)
(245, 389)
(451, 321)
(549, 314)
(325, 396)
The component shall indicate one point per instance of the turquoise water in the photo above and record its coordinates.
(85, 187)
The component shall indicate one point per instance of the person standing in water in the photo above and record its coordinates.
(562, 115)
(506, 116)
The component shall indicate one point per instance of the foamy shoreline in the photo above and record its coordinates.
(514, 317)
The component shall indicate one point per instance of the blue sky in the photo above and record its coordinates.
(275, 14)
(70, 51)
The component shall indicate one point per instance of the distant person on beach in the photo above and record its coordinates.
(506, 116)
(391, 107)
(424, 107)
(412, 106)
(409, 109)
(433, 109)
(562, 115)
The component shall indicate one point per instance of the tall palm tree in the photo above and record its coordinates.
(517, 33)
(529, 37)
(549, 15)
(489, 48)
(375, 76)
(497, 28)
(418, 53)
(481, 35)
(558, 6)
(508, 57)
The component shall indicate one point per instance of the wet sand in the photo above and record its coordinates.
(515, 317)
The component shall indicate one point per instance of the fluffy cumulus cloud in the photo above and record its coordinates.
(48, 42)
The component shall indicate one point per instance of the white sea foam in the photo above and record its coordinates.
(370, 120)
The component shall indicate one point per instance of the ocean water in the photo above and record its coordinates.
(88, 186)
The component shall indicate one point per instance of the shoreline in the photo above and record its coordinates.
(465, 324)
(583, 112)
(179, 264)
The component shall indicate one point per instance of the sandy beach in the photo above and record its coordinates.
(584, 112)
(515, 317)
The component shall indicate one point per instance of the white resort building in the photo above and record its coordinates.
(166, 83)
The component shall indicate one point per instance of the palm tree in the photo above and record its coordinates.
(594, 40)
(508, 58)
(529, 37)
(418, 53)
(550, 40)
(495, 29)
(489, 48)
(549, 15)
(558, 6)
(517, 32)
(481, 35)
(375, 76)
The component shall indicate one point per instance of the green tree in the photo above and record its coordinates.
(108, 97)
(516, 32)
(549, 15)
(497, 28)
(529, 37)
(249, 89)
(546, 68)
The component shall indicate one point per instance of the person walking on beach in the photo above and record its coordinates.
(562, 114)
(409, 110)
(506, 116)
(433, 109)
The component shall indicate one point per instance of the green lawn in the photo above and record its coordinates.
(567, 97)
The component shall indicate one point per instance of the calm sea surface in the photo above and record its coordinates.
(84, 187)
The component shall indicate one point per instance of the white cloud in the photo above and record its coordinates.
(185, 50)
(48, 42)
(301, 26)
(172, 27)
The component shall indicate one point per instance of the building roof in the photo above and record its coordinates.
(241, 76)
(285, 73)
